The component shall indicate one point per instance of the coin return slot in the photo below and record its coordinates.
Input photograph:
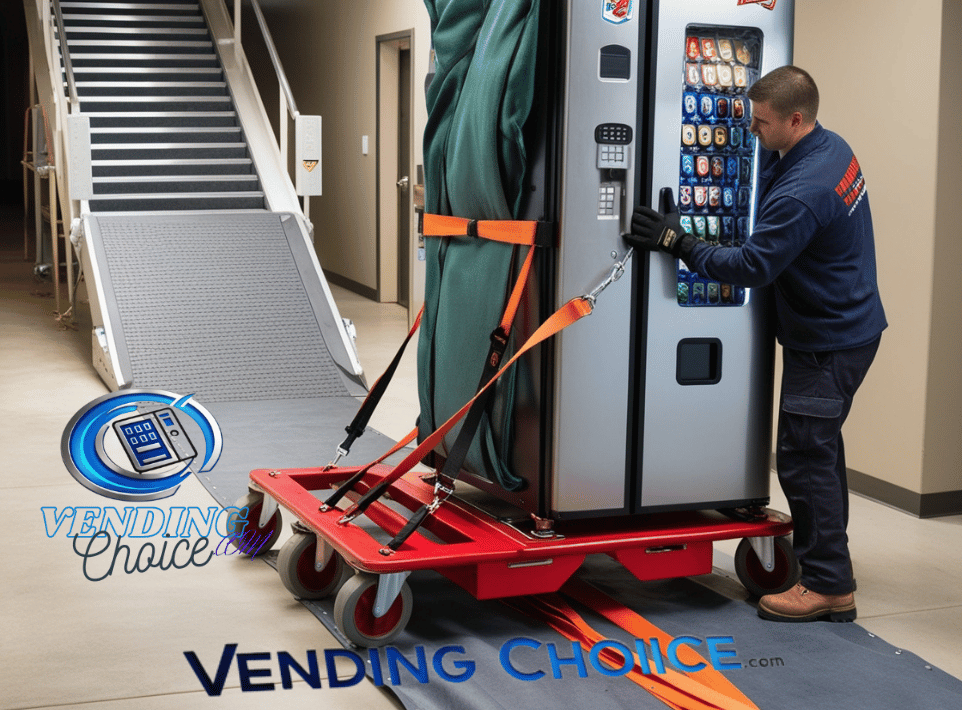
(699, 361)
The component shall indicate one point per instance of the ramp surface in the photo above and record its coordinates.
(229, 307)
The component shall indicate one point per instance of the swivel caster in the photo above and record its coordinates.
(355, 607)
(253, 532)
(296, 564)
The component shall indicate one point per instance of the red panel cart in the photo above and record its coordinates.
(488, 556)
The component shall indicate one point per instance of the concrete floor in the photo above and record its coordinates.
(119, 643)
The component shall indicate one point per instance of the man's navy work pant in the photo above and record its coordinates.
(817, 392)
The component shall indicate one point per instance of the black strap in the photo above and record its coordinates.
(359, 424)
(462, 444)
(343, 489)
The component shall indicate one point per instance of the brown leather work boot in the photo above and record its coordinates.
(801, 604)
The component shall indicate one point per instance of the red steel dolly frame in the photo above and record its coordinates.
(489, 557)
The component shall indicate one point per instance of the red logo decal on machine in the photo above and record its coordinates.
(617, 11)
(767, 4)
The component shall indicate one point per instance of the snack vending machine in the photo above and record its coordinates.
(703, 360)
(661, 400)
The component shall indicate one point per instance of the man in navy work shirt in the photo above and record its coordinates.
(813, 242)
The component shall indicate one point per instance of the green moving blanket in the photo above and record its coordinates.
(475, 166)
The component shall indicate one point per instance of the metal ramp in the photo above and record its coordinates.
(230, 307)
(197, 256)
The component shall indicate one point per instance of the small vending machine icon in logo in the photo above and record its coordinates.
(154, 439)
(617, 11)
(140, 445)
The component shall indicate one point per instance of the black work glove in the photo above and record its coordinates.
(660, 230)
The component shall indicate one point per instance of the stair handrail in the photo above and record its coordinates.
(288, 105)
(275, 59)
(65, 54)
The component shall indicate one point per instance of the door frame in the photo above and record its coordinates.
(387, 195)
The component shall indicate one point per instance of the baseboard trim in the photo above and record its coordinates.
(351, 285)
(922, 505)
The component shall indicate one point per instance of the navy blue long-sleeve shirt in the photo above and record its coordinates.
(813, 240)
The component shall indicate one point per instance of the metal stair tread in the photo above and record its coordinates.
(230, 177)
(70, 18)
(158, 114)
(146, 70)
(167, 146)
(73, 29)
(157, 97)
(162, 129)
(129, 5)
(141, 56)
(137, 43)
(177, 195)
(172, 161)
(148, 84)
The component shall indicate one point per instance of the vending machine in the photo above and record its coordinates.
(661, 399)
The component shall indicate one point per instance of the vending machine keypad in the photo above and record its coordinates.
(613, 141)
(609, 200)
(717, 150)
(613, 160)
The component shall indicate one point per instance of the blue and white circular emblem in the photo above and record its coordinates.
(140, 445)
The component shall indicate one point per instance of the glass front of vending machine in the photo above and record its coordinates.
(717, 150)
(703, 350)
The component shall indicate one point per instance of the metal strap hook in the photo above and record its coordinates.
(617, 271)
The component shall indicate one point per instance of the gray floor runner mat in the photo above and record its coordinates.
(797, 666)
(292, 433)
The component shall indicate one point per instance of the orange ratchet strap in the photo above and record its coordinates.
(639, 627)
(519, 233)
(572, 311)
(507, 231)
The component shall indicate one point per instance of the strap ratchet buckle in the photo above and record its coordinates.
(443, 488)
(340, 453)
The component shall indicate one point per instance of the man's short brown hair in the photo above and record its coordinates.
(786, 90)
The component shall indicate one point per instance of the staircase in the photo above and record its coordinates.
(197, 255)
(165, 136)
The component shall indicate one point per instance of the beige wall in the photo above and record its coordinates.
(889, 75)
(328, 49)
(942, 446)
(890, 86)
